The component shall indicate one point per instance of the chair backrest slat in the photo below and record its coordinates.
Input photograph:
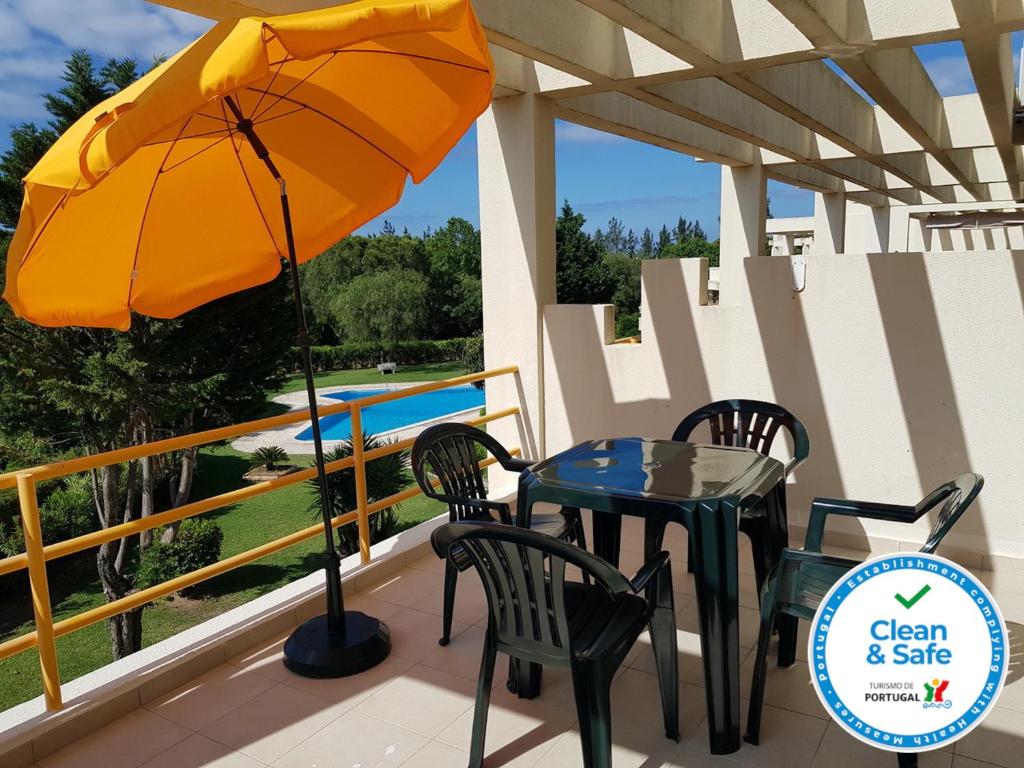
(523, 574)
(750, 424)
(449, 454)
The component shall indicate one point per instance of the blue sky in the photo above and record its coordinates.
(600, 174)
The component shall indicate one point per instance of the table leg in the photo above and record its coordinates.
(607, 536)
(716, 572)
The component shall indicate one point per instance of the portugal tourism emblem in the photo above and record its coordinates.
(908, 652)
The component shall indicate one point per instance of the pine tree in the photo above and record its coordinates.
(664, 240)
(647, 243)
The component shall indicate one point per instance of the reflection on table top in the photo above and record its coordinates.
(659, 469)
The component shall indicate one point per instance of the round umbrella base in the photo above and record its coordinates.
(312, 651)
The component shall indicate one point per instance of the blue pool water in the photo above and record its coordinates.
(395, 414)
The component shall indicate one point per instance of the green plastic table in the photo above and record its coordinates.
(702, 487)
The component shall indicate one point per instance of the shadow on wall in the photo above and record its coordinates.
(576, 352)
(923, 378)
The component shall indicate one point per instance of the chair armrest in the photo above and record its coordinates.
(484, 505)
(517, 465)
(792, 464)
(821, 508)
(649, 570)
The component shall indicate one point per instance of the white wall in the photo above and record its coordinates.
(907, 369)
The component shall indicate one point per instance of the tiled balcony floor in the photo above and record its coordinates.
(416, 708)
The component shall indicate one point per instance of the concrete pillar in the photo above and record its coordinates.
(867, 229)
(516, 156)
(741, 224)
(829, 222)
(783, 245)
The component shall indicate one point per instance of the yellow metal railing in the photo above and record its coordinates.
(36, 554)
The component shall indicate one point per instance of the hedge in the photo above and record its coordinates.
(369, 354)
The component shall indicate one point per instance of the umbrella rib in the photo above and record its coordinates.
(248, 183)
(194, 154)
(419, 56)
(340, 124)
(225, 130)
(305, 77)
(280, 65)
(145, 213)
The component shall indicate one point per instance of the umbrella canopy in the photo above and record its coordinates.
(155, 201)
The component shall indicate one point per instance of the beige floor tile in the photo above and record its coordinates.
(423, 700)
(840, 750)
(966, 762)
(210, 696)
(354, 740)
(636, 702)
(197, 751)
(273, 723)
(687, 758)
(430, 564)
(788, 739)
(379, 609)
(998, 740)
(519, 731)
(788, 688)
(470, 602)
(405, 588)
(266, 658)
(438, 755)
(346, 692)
(415, 634)
(125, 743)
(688, 620)
(463, 654)
(691, 664)
(631, 748)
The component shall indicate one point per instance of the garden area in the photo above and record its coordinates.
(75, 586)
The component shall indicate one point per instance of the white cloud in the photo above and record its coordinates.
(31, 65)
(951, 75)
(105, 27)
(581, 134)
(21, 103)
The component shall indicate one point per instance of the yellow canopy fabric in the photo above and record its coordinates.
(154, 202)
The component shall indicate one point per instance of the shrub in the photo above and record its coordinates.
(67, 512)
(368, 354)
(473, 353)
(270, 456)
(196, 546)
(385, 477)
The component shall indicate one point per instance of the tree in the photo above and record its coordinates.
(664, 240)
(384, 307)
(614, 238)
(580, 278)
(647, 244)
(456, 292)
(92, 390)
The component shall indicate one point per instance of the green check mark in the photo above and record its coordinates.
(908, 604)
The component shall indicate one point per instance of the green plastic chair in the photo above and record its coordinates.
(799, 583)
(536, 616)
(752, 424)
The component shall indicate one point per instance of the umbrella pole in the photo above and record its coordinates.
(340, 642)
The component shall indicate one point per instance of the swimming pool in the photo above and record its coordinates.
(396, 414)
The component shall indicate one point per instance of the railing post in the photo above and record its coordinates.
(40, 591)
(363, 518)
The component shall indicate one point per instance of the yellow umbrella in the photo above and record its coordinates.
(176, 191)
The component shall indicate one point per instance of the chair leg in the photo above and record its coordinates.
(591, 684)
(662, 627)
(690, 557)
(787, 626)
(483, 700)
(757, 682)
(451, 575)
(907, 759)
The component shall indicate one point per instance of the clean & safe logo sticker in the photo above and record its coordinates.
(908, 652)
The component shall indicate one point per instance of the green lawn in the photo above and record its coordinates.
(406, 373)
(245, 525)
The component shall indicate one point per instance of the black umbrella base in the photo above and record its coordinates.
(312, 651)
